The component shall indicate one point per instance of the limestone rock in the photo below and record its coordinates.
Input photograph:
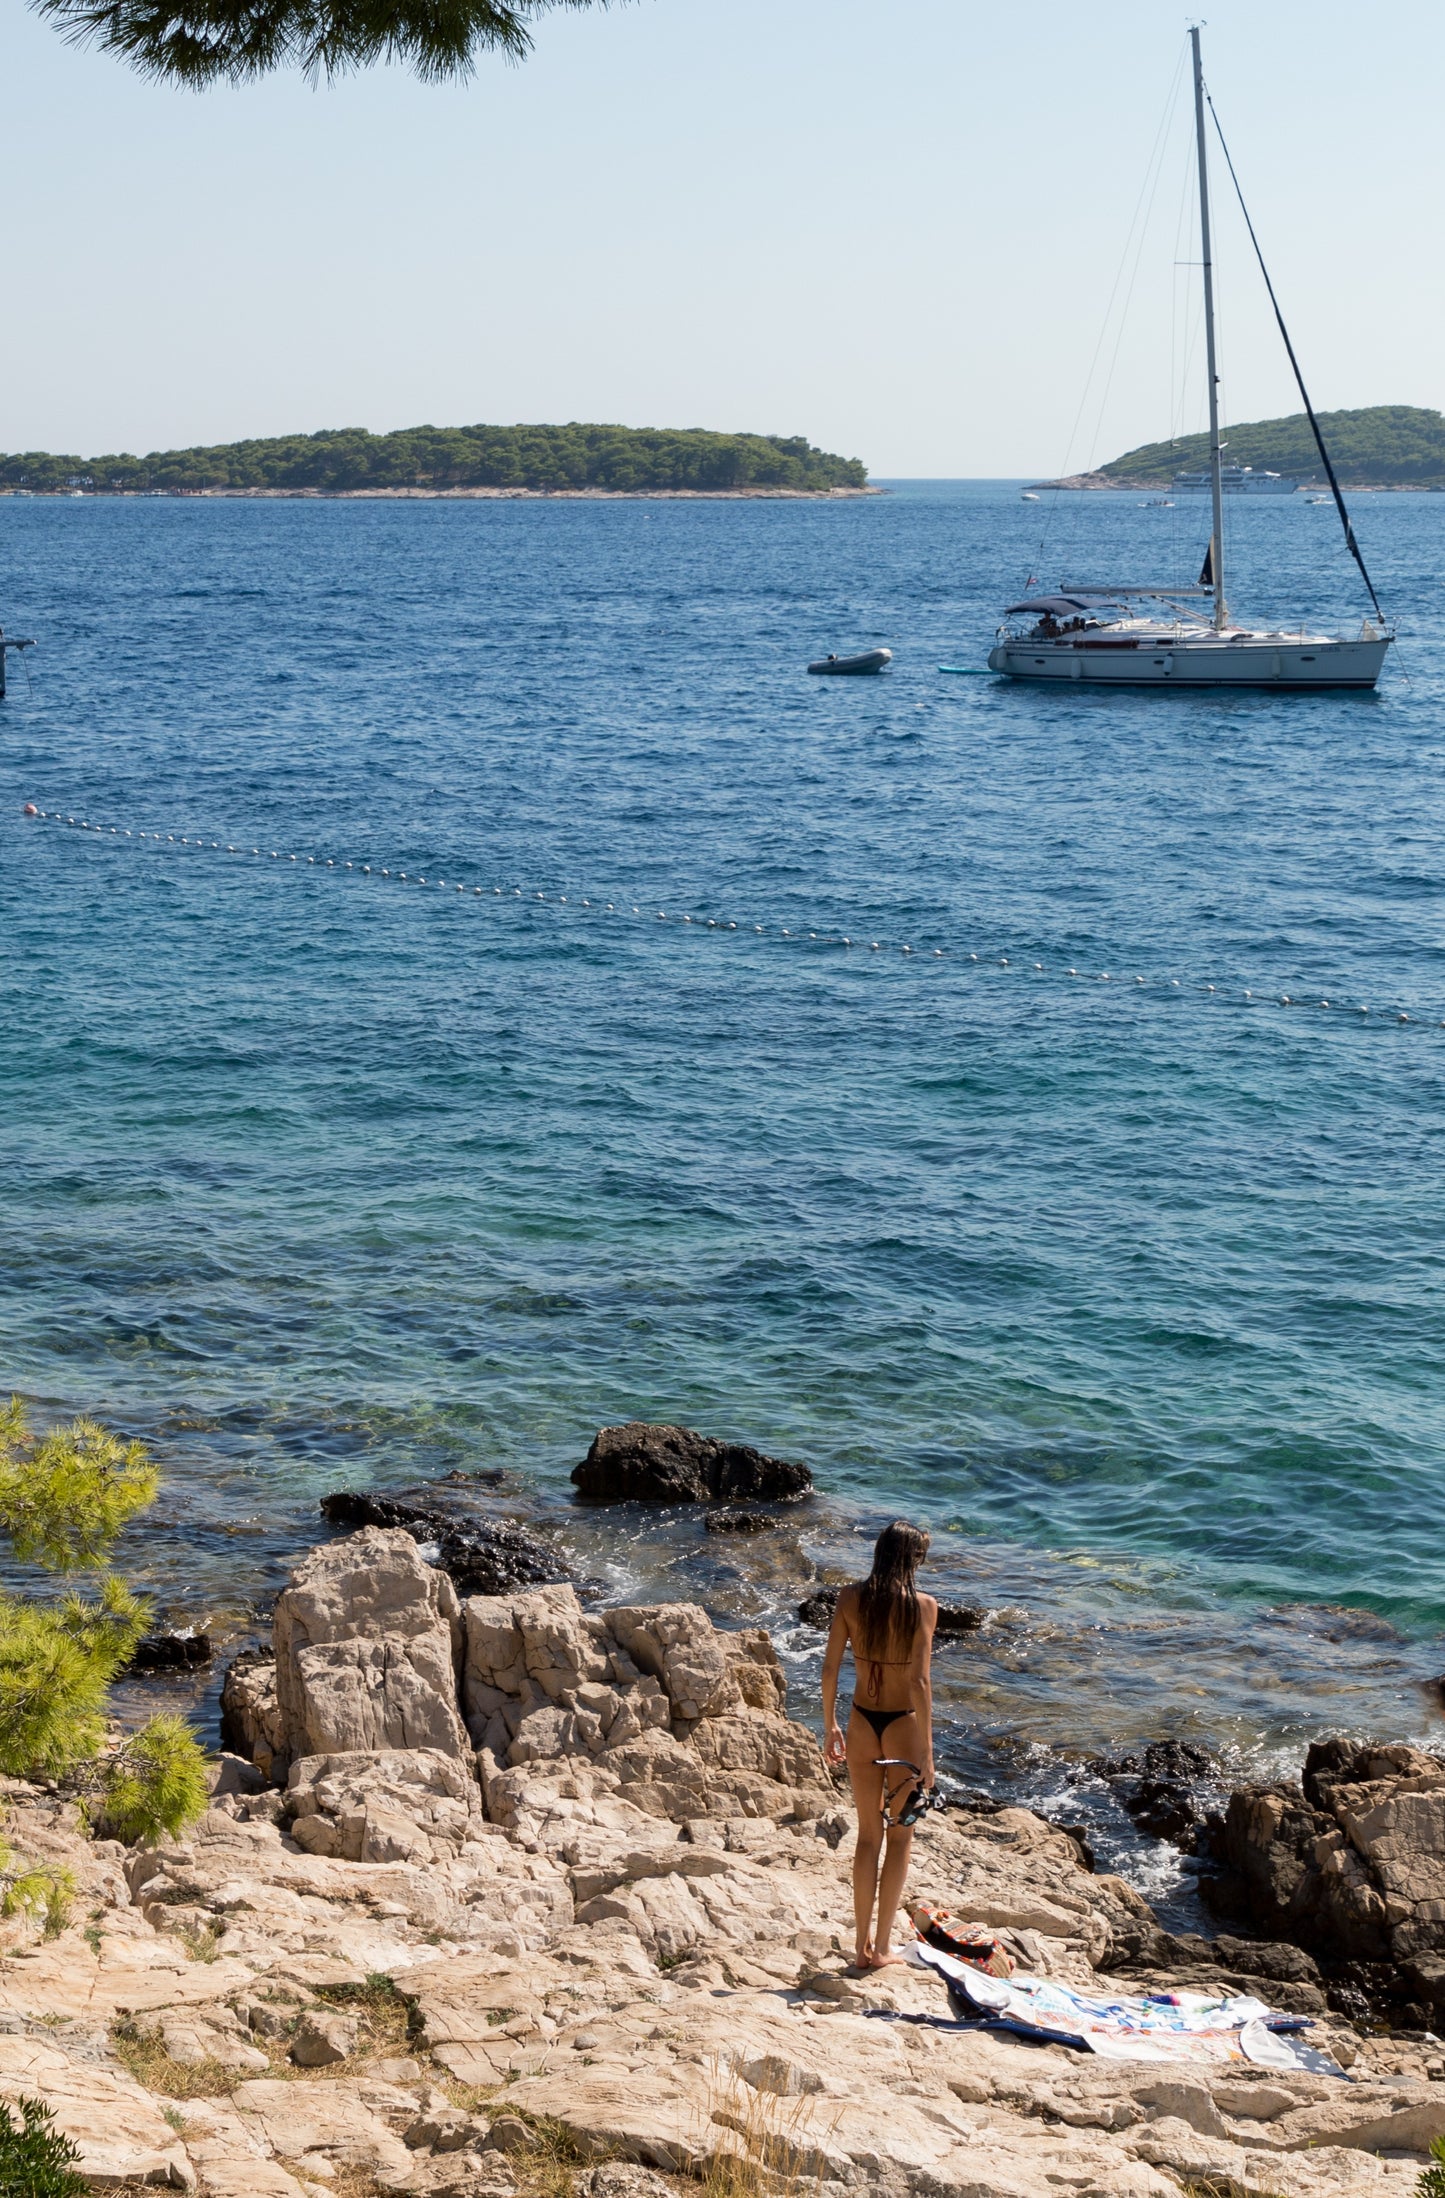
(384, 1805)
(322, 2038)
(645, 1462)
(367, 1647)
(1351, 1866)
(336, 2120)
(251, 1719)
(120, 2131)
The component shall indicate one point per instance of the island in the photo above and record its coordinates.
(574, 460)
(1392, 446)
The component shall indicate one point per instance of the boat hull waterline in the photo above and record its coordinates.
(1210, 661)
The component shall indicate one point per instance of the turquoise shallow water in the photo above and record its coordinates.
(1133, 1292)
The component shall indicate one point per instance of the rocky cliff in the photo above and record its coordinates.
(503, 1895)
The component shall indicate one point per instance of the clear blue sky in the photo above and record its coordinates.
(891, 229)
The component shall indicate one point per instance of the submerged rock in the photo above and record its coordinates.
(1160, 1788)
(170, 1652)
(739, 1522)
(480, 1556)
(645, 1462)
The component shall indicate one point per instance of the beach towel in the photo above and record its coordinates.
(1176, 2027)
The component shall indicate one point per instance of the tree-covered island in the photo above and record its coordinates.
(1381, 446)
(575, 459)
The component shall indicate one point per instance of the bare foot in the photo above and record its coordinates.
(885, 1960)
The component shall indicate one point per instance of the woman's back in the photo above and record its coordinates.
(885, 1642)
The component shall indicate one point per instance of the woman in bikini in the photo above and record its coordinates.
(889, 1627)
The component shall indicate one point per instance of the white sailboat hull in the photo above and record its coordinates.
(1265, 660)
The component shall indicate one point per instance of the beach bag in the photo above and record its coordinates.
(970, 1942)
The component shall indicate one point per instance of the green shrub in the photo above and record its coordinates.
(155, 1784)
(35, 2160)
(56, 1665)
(64, 1497)
(1432, 2181)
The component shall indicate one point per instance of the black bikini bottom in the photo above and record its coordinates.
(880, 1720)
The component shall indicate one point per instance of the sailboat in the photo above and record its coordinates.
(1185, 637)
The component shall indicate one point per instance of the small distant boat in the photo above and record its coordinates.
(1029, 496)
(1158, 503)
(869, 660)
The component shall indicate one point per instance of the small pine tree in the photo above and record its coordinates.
(64, 1498)
(156, 1783)
(1432, 2181)
(36, 2161)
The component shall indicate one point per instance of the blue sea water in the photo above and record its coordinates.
(1132, 1291)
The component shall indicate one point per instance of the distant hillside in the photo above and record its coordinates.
(346, 460)
(1386, 446)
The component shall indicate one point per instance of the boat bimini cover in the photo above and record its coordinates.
(1068, 605)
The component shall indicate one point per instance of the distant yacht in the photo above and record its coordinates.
(1237, 481)
(1029, 496)
(1151, 636)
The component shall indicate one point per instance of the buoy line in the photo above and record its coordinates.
(1256, 996)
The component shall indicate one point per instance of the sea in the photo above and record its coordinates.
(489, 991)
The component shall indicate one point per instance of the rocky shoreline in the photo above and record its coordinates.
(501, 1892)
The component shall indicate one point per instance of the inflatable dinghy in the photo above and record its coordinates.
(871, 660)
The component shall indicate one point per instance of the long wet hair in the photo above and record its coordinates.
(888, 1599)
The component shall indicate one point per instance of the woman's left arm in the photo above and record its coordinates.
(920, 1679)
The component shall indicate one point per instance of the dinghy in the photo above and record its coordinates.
(870, 660)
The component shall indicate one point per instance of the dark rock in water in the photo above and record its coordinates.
(1351, 1866)
(739, 1522)
(169, 1652)
(481, 1556)
(1171, 1761)
(647, 1463)
(953, 1618)
(1157, 1788)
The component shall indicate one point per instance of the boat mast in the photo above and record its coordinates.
(1216, 547)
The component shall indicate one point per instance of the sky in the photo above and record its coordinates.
(893, 230)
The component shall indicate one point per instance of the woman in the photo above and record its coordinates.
(889, 1627)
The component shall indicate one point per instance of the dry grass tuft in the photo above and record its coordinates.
(390, 2018)
(547, 2167)
(142, 2052)
(1223, 2186)
(776, 2152)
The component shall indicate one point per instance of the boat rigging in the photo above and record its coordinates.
(1185, 637)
